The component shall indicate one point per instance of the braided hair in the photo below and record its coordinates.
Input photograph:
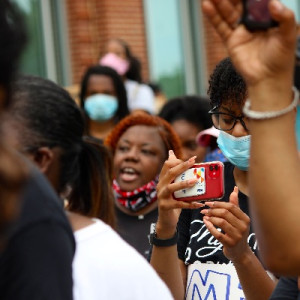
(46, 116)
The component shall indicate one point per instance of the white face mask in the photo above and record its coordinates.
(237, 150)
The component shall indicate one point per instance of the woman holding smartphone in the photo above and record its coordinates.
(266, 61)
(216, 240)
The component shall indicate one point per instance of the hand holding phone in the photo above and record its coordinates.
(209, 185)
(256, 15)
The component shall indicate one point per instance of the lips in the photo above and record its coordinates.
(128, 174)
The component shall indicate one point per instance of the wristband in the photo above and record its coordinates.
(258, 115)
(154, 240)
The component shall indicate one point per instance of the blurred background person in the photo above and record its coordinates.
(103, 98)
(119, 57)
(79, 164)
(208, 138)
(36, 259)
(140, 145)
(160, 98)
(188, 115)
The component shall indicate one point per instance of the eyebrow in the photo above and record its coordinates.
(226, 109)
(144, 144)
(232, 112)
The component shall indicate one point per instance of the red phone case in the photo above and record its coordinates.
(210, 184)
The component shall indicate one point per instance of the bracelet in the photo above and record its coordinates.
(258, 115)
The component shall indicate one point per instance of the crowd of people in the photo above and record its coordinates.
(87, 205)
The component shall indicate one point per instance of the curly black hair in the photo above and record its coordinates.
(12, 41)
(226, 85)
(193, 109)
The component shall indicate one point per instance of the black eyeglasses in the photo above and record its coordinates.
(226, 121)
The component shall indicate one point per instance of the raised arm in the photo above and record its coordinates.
(266, 61)
(165, 259)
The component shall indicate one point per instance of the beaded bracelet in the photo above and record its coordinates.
(258, 115)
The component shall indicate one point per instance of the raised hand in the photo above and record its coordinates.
(258, 56)
(168, 207)
(234, 224)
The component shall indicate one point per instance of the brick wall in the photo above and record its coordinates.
(214, 48)
(93, 22)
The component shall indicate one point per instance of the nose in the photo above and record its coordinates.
(239, 130)
(132, 154)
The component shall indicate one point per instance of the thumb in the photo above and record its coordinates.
(233, 198)
(285, 17)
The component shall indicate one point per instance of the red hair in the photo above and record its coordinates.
(166, 132)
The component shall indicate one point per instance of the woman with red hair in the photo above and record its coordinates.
(140, 145)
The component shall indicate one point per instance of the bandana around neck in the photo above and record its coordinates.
(137, 199)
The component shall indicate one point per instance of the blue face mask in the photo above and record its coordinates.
(237, 150)
(101, 107)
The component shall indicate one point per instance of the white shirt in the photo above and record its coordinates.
(140, 96)
(106, 267)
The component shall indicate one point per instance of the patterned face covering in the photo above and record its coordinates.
(137, 199)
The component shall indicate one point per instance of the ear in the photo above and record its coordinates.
(43, 157)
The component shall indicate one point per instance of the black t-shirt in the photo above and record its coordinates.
(286, 289)
(37, 260)
(135, 230)
(195, 242)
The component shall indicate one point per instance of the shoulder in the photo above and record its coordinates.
(115, 261)
(146, 91)
(286, 288)
(141, 89)
(40, 205)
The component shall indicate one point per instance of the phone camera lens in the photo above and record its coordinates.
(211, 168)
(216, 167)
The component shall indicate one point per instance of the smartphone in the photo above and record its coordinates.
(209, 185)
(256, 15)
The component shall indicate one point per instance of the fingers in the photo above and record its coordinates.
(224, 15)
(165, 191)
(227, 211)
(173, 168)
(232, 234)
(180, 204)
(225, 239)
(229, 217)
(285, 17)
(229, 11)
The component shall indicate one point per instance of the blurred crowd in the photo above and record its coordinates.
(88, 176)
